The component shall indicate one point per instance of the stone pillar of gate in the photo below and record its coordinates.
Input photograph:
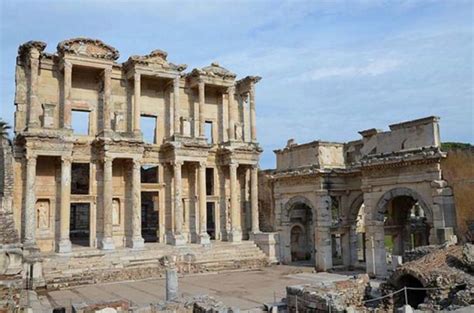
(107, 242)
(136, 241)
(178, 237)
(64, 244)
(203, 235)
(235, 234)
(30, 203)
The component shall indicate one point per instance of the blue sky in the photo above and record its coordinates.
(329, 68)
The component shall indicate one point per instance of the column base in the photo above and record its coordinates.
(234, 236)
(178, 240)
(64, 246)
(254, 234)
(107, 244)
(137, 243)
(204, 239)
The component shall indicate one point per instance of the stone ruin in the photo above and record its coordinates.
(447, 273)
(331, 297)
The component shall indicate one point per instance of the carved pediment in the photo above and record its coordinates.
(214, 70)
(155, 58)
(93, 48)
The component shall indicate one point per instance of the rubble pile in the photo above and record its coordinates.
(196, 304)
(333, 297)
(447, 272)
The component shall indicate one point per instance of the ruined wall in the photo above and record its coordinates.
(458, 170)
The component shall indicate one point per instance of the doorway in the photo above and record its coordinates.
(211, 220)
(79, 224)
(150, 216)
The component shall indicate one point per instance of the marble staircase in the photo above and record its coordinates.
(89, 266)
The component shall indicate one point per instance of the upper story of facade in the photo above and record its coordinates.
(82, 92)
(405, 141)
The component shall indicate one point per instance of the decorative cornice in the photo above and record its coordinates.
(88, 47)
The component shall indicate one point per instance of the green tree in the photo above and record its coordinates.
(4, 127)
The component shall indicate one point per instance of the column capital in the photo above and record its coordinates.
(137, 76)
(31, 157)
(201, 82)
(137, 164)
(254, 166)
(108, 159)
(66, 64)
(231, 90)
(202, 164)
(66, 159)
(108, 71)
(233, 164)
(177, 163)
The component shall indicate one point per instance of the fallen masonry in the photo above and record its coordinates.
(334, 297)
(441, 280)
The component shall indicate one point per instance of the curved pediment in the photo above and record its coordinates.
(93, 48)
(156, 58)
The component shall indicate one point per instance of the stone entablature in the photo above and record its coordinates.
(349, 189)
(202, 130)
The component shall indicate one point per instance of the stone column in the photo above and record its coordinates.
(253, 115)
(177, 124)
(64, 245)
(107, 242)
(254, 198)
(35, 105)
(137, 241)
(67, 86)
(136, 104)
(30, 202)
(230, 110)
(178, 237)
(107, 103)
(202, 121)
(236, 229)
(203, 235)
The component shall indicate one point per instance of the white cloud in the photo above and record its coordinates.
(372, 68)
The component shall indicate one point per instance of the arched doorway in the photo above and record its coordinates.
(301, 232)
(406, 221)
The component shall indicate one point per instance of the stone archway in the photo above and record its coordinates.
(297, 230)
(355, 245)
(390, 227)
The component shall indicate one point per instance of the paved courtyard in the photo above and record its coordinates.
(242, 289)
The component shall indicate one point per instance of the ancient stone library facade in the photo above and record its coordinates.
(350, 203)
(112, 155)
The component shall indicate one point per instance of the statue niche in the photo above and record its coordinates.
(116, 211)
(42, 214)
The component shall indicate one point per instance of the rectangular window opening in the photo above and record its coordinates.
(148, 128)
(80, 122)
(80, 179)
(209, 132)
(209, 181)
(149, 174)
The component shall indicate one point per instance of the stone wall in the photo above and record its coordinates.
(458, 170)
